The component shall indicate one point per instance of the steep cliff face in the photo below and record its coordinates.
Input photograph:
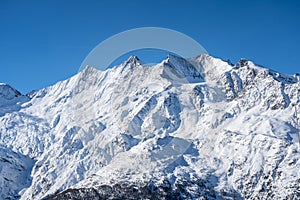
(185, 128)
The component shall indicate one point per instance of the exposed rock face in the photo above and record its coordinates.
(126, 190)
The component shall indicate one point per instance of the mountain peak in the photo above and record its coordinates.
(133, 60)
(173, 56)
(89, 69)
(130, 63)
(8, 92)
(183, 68)
(9, 96)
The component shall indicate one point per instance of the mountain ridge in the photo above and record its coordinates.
(293, 78)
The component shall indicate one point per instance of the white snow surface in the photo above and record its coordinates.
(183, 119)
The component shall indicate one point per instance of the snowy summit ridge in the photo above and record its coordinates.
(182, 129)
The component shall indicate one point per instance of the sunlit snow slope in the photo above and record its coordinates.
(182, 129)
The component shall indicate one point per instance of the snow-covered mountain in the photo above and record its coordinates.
(182, 129)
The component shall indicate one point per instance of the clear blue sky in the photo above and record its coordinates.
(42, 42)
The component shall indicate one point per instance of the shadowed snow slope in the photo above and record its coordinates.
(184, 129)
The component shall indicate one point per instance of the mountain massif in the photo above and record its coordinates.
(197, 128)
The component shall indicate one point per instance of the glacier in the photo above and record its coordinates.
(186, 128)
